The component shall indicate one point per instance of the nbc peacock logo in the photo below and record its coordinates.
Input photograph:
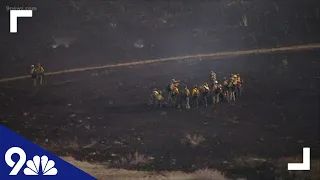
(36, 166)
(47, 166)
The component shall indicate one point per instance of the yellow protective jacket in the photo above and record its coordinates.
(33, 71)
(40, 70)
(175, 90)
(157, 95)
(195, 92)
(235, 81)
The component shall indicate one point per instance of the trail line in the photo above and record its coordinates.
(212, 56)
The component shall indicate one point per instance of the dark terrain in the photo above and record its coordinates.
(106, 112)
(103, 115)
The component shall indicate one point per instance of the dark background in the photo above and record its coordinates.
(167, 28)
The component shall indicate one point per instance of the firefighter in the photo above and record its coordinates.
(33, 74)
(40, 73)
(175, 95)
(216, 90)
(195, 93)
(157, 98)
(239, 86)
(221, 95)
(232, 87)
(225, 88)
(170, 88)
(235, 79)
(213, 78)
(205, 92)
(186, 96)
(153, 95)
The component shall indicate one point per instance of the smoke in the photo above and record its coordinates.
(139, 44)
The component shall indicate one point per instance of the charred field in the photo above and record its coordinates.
(103, 115)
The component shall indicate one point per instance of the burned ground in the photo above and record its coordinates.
(104, 115)
(106, 32)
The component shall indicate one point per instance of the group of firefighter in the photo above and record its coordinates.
(179, 95)
(37, 74)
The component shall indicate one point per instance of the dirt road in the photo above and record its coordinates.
(210, 56)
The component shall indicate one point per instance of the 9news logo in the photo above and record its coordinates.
(22, 159)
(33, 166)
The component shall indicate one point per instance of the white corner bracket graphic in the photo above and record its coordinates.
(14, 15)
(305, 165)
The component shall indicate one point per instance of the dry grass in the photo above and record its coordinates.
(101, 172)
(132, 160)
(193, 139)
(209, 174)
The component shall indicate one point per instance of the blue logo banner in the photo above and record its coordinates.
(22, 159)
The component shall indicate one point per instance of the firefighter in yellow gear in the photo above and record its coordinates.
(225, 88)
(204, 90)
(195, 93)
(216, 92)
(232, 87)
(170, 88)
(239, 86)
(234, 79)
(175, 95)
(186, 96)
(40, 73)
(174, 83)
(33, 74)
(157, 97)
(238, 77)
(175, 90)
